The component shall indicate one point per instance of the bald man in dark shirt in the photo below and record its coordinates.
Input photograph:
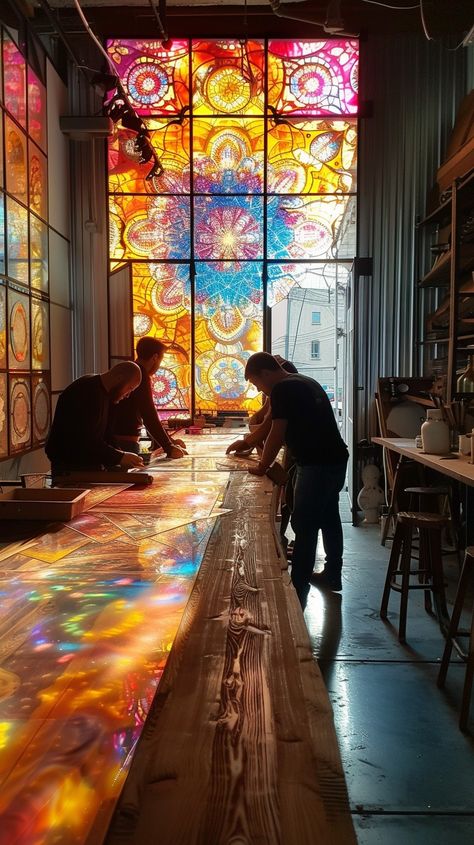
(80, 436)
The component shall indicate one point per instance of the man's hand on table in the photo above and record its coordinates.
(240, 447)
(129, 460)
(176, 451)
(177, 442)
(257, 470)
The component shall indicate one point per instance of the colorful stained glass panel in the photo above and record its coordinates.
(228, 329)
(17, 243)
(228, 77)
(312, 156)
(316, 275)
(171, 144)
(38, 254)
(39, 334)
(149, 227)
(36, 109)
(14, 79)
(311, 227)
(20, 413)
(3, 328)
(162, 309)
(41, 408)
(3, 415)
(228, 228)
(38, 181)
(313, 77)
(16, 161)
(18, 330)
(2, 183)
(228, 155)
(155, 78)
(2, 234)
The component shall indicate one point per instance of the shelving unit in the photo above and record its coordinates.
(449, 329)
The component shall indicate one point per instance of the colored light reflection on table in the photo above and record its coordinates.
(87, 628)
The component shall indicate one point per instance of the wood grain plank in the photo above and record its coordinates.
(239, 746)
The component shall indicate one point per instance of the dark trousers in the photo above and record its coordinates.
(316, 508)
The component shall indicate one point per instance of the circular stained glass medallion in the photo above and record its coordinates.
(147, 82)
(310, 83)
(40, 411)
(19, 332)
(142, 324)
(20, 413)
(227, 90)
(164, 386)
(226, 377)
(37, 340)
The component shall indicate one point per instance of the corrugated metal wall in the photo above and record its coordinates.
(414, 88)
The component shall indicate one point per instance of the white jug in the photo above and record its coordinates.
(435, 433)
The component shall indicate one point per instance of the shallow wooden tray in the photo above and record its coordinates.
(46, 504)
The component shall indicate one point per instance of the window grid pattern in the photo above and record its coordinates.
(25, 383)
(258, 147)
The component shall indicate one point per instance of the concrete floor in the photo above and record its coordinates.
(409, 770)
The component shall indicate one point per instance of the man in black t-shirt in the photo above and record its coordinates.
(139, 409)
(302, 417)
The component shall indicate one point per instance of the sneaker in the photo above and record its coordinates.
(326, 582)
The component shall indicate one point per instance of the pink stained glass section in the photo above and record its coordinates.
(14, 79)
(155, 78)
(36, 109)
(313, 77)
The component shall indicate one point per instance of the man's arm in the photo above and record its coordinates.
(255, 438)
(152, 422)
(273, 444)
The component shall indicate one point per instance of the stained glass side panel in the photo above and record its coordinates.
(228, 228)
(39, 335)
(155, 79)
(228, 155)
(162, 309)
(311, 227)
(20, 413)
(2, 181)
(171, 143)
(312, 156)
(19, 330)
(228, 77)
(3, 415)
(313, 77)
(3, 328)
(16, 161)
(2, 233)
(38, 181)
(17, 244)
(41, 408)
(228, 329)
(316, 275)
(149, 227)
(39, 272)
(36, 109)
(14, 79)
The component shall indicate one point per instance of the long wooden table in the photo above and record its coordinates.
(454, 465)
(154, 653)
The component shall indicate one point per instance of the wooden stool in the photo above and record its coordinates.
(430, 571)
(421, 499)
(454, 632)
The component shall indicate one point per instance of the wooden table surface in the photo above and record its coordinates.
(178, 584)
(455, 465)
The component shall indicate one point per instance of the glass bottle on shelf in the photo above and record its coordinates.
(465, 382)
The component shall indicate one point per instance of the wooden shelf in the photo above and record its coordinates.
(438, 276)
(442, 212)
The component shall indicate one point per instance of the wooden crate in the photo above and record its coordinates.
(52, 505)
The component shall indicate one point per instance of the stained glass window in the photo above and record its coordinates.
(25, 403)
(258, 145)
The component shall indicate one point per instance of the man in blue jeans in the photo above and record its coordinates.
(302, 417)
